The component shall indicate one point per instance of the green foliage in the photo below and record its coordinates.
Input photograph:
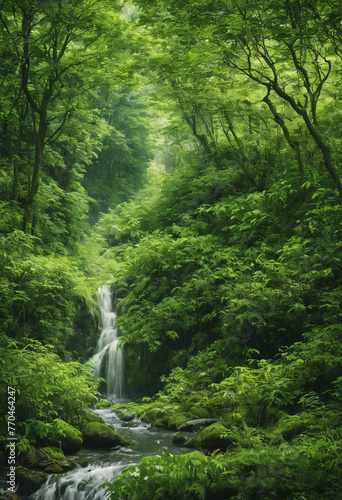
(40, 294)
(119, 168)
(45, 387)
(185, 476)
(271, 472)
(277, 426)
(254, 268)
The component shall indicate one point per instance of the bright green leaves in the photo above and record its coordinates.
(206, 260)
(40, 295)
(254, 82)
(46, 388)
(186, 476)
(52, 123)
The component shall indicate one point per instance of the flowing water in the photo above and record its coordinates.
(95, 467)
(107, 348)
(98, 466)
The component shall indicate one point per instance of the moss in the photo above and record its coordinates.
(176, 421)
(71, 439)
(90, 417)
(152, 414)
(97, 435)
(125, 415)
(214, 437)
(103, 404)
(198, 412)
(54, 453)
(118, 407)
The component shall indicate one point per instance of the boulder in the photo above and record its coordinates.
(103, 404)
(37, 458)
(191, 425)
(71, 439)
(98, 435)
(126, 415)
(199, 412)
(54, 469)
(44, 458)
(90, 417)
(29, 480)
(212, 438)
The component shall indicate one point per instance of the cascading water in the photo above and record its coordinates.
(107, 348)
(99, 466)
(95, 467)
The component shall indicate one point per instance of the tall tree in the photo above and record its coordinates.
(61, 52)
(289, 49)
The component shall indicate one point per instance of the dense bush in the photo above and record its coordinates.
(45, 388)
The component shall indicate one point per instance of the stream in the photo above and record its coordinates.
(95, 467)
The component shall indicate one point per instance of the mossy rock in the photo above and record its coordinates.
(49, 459)
(54, 469)
(211, 438)
(198, 412)
(54, 453)
(153, 414)
(37, 458)
(90, 417)
(98, 435)
(28, 480)
(175, 421)
(126, 415)
(103, 404)
(118, 407)
(71, 439)
(196, 424)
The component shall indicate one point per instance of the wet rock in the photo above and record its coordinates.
(126, 415)
(191, 425)
(66, 465)
(212, 438)
(54, 469)
(29, 480)
(37, 458)
(98, 435)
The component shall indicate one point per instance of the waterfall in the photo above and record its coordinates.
(107, 348)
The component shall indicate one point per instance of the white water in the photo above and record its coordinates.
(101, 466)
(107, 348)
(98, 466)
(79, 484)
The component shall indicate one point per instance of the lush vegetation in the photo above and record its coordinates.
(224, 256)
(68, 96)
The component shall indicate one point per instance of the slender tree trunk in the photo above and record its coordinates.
(33, 186)
(15, 179)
